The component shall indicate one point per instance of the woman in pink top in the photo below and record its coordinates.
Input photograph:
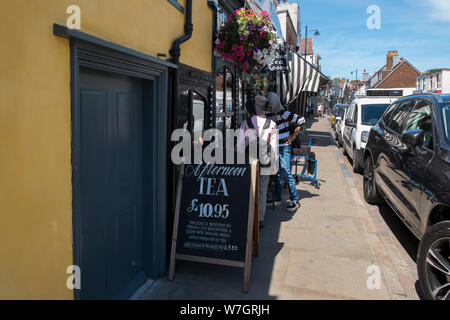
(266, 130)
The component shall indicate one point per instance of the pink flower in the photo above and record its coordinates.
(233, 56)
(249, 53)
(221, 44)
(234, 47)
(236, 11)
(245, 66)
(242, 48)
(230, 16)
(241, 58)
(226, 56)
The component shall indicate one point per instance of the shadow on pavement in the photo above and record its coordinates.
(201, 281)
(406, 238)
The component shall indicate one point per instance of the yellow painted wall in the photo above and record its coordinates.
(35, 136)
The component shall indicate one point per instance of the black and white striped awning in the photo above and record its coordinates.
(301, 77)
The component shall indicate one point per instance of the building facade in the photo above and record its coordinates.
(437, 81)
(396, 73)
(289, 16)
(91, 94)
(88, 105)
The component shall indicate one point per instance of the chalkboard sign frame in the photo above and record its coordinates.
(252, 237)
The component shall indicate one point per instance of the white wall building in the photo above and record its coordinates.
(289, 17)
(437, 81)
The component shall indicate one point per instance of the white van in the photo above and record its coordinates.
(363, 113)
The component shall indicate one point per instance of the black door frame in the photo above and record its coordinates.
(97, 54)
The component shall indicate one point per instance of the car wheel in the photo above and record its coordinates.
(340, 142)
(355, 164)
(336, 136)
(371, 194)
(433, 262)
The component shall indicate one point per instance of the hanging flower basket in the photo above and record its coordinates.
(257, 83)
(248, 40)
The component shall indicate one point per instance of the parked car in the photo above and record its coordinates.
(407, 163)
(363, 113)
(334, 113)
(340, 124)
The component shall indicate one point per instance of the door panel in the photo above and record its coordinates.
(416, 161)
(111, 183)
(349, 131)
(393, 166)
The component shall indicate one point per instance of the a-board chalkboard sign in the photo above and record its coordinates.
(215, 216)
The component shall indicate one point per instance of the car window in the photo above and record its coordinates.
(420, 118)
(446, 121)
(350, 111)
(394, 120)
(371, 113)
(389, 112)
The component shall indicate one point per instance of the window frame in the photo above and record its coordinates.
(225, 69)
(433, 127)
(177, 5)
(191, 120)
(399, 104)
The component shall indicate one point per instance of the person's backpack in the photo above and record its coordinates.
(265, 159)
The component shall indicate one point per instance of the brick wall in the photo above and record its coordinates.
(403, 77)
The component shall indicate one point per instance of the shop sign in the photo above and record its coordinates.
(279, 63)
(215, 215)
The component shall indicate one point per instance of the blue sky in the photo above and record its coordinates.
(418, 29)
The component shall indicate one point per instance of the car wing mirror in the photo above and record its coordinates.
(349, 123)
(412, 139)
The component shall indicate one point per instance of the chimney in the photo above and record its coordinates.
(394, 58)
(389, 60)
(365, 75)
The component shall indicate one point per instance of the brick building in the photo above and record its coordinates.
(396, 73)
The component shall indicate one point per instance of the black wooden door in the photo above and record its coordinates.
(110, 185)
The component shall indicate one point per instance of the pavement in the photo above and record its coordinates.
(335, 246)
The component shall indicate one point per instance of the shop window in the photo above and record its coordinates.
(241, 111)
(198, 114)
(191, 112)
(221, 17)
(229, 107)
(220, 97)
(225, 105)
(183, 110)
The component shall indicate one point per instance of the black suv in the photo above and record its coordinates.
(407, 163)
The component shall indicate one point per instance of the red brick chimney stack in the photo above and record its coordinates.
(390, 60)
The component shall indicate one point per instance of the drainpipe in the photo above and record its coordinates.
(175, 52)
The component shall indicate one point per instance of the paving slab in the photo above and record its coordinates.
(325, 242)
(332, 275)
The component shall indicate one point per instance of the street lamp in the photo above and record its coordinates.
(356, 82)
(316, 34)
